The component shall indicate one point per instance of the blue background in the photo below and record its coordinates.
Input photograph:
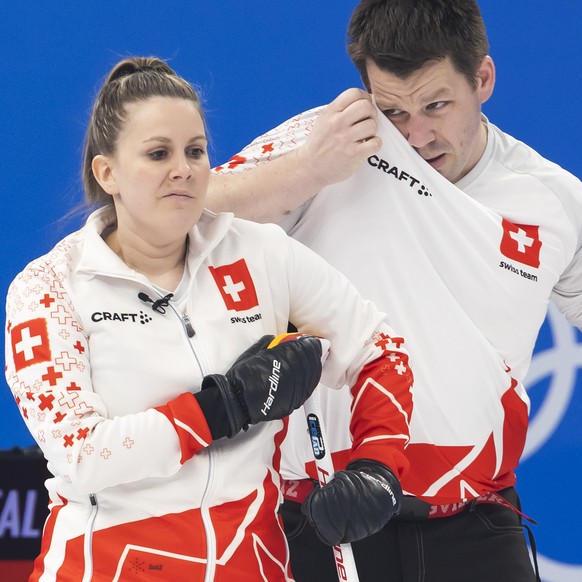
(257, 63)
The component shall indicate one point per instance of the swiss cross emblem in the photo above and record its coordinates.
(235, 285)
(30, 343)
(521, 242)
(235, 161)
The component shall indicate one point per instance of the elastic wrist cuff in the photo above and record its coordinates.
(212, 405)
(374, 466)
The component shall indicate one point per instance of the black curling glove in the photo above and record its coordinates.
(356, 503)
(263, 384)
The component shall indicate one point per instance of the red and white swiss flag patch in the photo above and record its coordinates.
(235, 285)
(521, 242)
(30, 343)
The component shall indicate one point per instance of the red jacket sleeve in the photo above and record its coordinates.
(381, 409)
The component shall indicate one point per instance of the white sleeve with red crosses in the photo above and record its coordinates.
(49, 373)
(279, 141)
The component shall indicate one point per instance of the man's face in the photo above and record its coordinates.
(438, 111)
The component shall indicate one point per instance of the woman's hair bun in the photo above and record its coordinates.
(133, 65)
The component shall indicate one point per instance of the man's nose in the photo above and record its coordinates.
(418, 131)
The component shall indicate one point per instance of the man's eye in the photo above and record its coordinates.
(158, 154)
(436, 105)
(392, 112)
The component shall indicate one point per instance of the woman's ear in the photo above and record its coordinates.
(103, 172)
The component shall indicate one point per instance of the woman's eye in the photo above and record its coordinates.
(158, 154)
(196, 152)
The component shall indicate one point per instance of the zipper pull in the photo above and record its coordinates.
(93, 499)
(188, 325)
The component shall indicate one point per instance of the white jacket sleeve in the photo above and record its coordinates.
(48, 369)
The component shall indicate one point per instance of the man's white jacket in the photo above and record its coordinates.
(465, 272)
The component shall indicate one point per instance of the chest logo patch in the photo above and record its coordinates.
(236, 286)
(521, 242)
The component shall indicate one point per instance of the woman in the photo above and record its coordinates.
(123, 354)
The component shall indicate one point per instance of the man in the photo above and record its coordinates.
(462, 235)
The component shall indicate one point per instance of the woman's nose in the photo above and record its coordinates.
(181, 168)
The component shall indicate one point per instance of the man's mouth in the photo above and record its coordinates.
(436, 161)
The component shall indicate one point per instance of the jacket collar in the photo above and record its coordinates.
(98, 259)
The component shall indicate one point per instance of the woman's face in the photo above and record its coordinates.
(158, 175)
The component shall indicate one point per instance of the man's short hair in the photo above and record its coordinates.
(401, 36)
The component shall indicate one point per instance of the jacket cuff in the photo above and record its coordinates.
(215, 412)
(189, 422)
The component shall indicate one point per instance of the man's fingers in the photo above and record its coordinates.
(369, 147)
(356, 123)
(363, 130)
(343, 136)
(347, 98)
(360, 110)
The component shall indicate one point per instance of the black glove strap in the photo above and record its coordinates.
(214, 411)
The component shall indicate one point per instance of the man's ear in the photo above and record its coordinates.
(103, 173)
(486, 76)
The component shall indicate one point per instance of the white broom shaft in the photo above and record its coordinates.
(343, 554)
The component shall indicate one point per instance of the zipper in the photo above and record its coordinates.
(190, 333)
(204, 503)
(160, 306)
(88, 541)
(188, 325)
